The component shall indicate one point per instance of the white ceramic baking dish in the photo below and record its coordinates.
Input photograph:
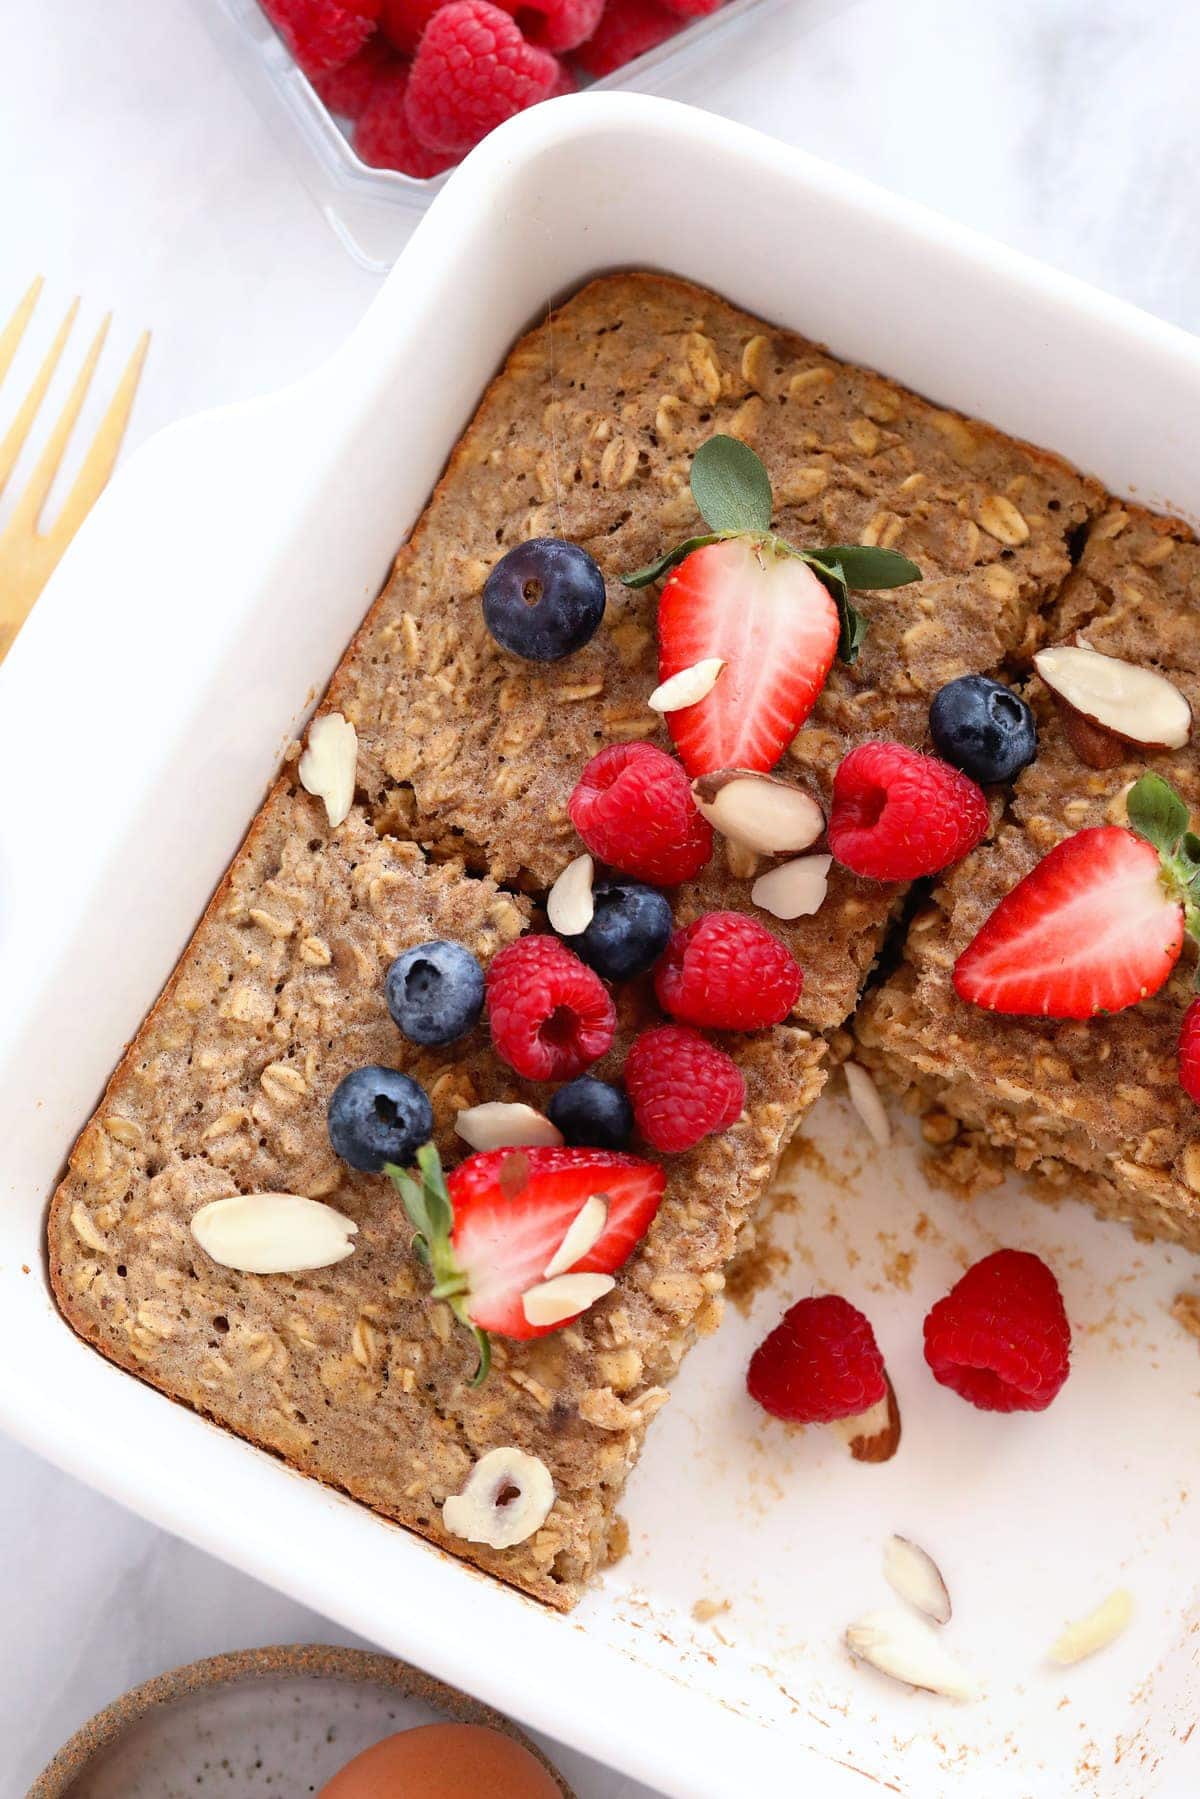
(141, 715)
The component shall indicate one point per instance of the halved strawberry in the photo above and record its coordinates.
(503, 1219)
(774, 626)
(1094, 927)
(774, 616)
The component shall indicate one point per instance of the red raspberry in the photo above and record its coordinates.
(551, 1016)
(384, 138)
(898, 814)
(1189, 1052)
(821, 1362)
(682, 1087)
(322, 34)
(403, 21)
(560, 24)
(728, 972)
(693, 9)
(473, 69)
(346, 91)
(627, 29)
(1000, 1338)
(634, 809)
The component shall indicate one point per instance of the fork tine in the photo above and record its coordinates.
(18, 431)
(28, 508)
(14, 331)
(98, 463)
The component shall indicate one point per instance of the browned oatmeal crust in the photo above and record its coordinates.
(466, 760)
(1095, 1107)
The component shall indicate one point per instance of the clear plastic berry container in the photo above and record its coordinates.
(371, 210)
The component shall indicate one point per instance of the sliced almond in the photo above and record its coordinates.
(794, 889)
(585, 1231)
(1099, 1628)
(507, 1497)
(873, 1435)
(864, 1097)
(569, 903)
(688, 687)
(759, 811)
(906, 1648)
(499, 1124)
(273, 1233)
(1133, 703)
(328, 768)
(912, 1572)
(554, 1301)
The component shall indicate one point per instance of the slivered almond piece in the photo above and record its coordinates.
(554, 1301)
(273, 1233)
(1133, 703)
(507, 1497)
(912, 1572)
(795, 889)
(499, 1124)
(864, 1097)
(759, 811)
(1099, 1628)
(328, 768)
(569, 904)
(873, 1435)
(907, 1649)
(584, 1232)
(688, 687)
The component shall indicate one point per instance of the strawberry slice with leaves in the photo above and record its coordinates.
(774, 616)
(522, 1241)
(1099, 923)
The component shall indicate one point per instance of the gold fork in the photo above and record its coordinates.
(28, 556)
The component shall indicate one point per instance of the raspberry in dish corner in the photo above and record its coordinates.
(384, 138)
(682, 1087)
(322, 34)
(560, 25)
(347, 89)
(403, 21)
(551, 1016)
(634, 809)
(473, 69)
(898, 814)
(627, 29)
(727, 972)
(1000, 1337)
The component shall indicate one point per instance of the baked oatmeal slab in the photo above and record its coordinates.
(1093, 1108)
(349, 1372)
(589, 434)
(466, 759)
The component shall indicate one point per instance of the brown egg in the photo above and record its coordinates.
(444, 1761)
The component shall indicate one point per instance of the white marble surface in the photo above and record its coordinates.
(134, 172)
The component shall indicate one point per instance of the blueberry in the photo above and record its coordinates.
(628, 932)
(983, 728)
(378, 1115)
(544, 599)
(591, 1114)
(435, 992)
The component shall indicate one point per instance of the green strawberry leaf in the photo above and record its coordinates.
(867, 568)
(483, 1344)
(654, 571)
(854, 625)
(1157, 813)
(438, 1208)
(731, 487)
(412, 1194)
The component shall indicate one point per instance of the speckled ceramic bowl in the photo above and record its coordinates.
(271, 1721)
